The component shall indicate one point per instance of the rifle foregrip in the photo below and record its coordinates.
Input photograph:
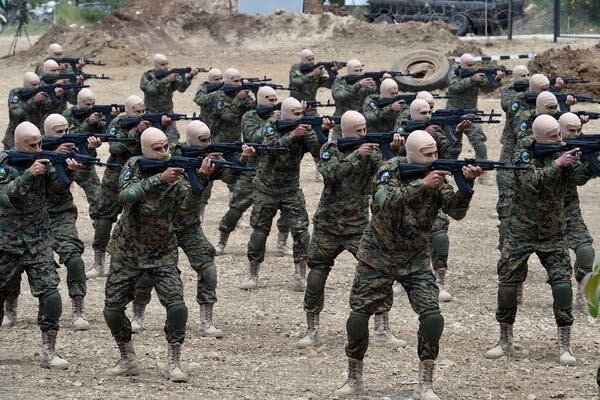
(195, 184)
(462, 183)
(593, 162)
(61, 174)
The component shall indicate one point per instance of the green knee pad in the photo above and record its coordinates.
(357, 326)
(507, 295)
(584, 255)
(51, 306)
(432, 326)
(114, 318)
(75, 269)
(441, 243)
(303, 238)
(480, 150)
(257, 243)
(317, 277)
(563, 295)
(209, 277)
(177, 314)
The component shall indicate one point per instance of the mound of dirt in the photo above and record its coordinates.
(185, 27)
(572, 63)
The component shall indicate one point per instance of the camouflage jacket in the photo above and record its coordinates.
(83, 125)
(403, 212)
(349, 97)
(280, 173)
(344, 205)
(226, 116)
(145, 233)
(158, 94)
(61, 200)
(464, 92)
(120, 152)
(253, 131)
(24, 222)
(379, 119)
(537, 212)
(202, 98)
(304, 87)
(20, 110)
(512, 102)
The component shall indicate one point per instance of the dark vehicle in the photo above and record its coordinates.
(466, 16)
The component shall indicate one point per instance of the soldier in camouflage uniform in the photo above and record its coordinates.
(109, 206)
(304, 87)
(395, 246)
(158, 93)
(55, 51)
(25, 228)
(276, 187)
(382, 119)
(464, 93)
(191, 239)
(20, 109)
(253, 130)
(65, 240)
(204, 91)
(537, 225)
(339, 221)
(144, 242)
(578, 237)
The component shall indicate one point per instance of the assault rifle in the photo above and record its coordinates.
(232, 90)
(316, 103)
(382, 139)
(26, 94)
(80, 141)
(106, 110)
(406, 97)
(265, 112)
(72, 61)
(562, 99)
(448, 121)
(213, 87)
(190, 166)
(490, 73)
(455, 168)
(522, 86)
(178, 71)
(229, 149)
(154, 119)
(376, 76)
(71, 77)
(328, 65)
(589, 148)
(314, 121)
(257, 80)
(59, 160)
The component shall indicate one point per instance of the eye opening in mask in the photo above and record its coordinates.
(62, 130)
(298, 113)
(159, 147)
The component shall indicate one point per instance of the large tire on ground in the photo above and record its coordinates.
(461, 23)
(384, 19)
(432, 69)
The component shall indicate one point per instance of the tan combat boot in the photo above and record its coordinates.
(98, 269)
(354, 384)
(10, 312)
(127, 364)
(382, 336)
(173, 371)
(281, 248)
(79, 322)
(220, 248)
(505, 346)
(206, 327)
(424, 389)
(299, 279)
(444, 295)
(137, 322)
(252, 281)
(49, 358)
(565, 354)
(311, 339)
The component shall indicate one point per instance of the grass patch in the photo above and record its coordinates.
(67, 15)
(33, 28)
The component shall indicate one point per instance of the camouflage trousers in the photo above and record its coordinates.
(476, 137)
(293, 210)
(91, 187)
(43, 283)
(240, 201)
(439, 242)
(109, 208)
(505, 180)
(512, 270)
(201, 255)
(322, 252)
(372, 290)
(580, 241)
(68, 246)
(120, 291)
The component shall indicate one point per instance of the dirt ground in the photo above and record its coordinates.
(257, 358)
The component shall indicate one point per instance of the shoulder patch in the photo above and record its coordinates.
(220, 104)
(373, 105)
(384, 176)
(525, 157)
(325, 155)
(3, 173)
(269, 130)
(112, 130)
(127, 175)
(399, 130)
(15, 98)
(523, 126)
(514, 106)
